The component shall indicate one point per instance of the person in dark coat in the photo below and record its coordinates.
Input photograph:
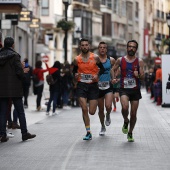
(27, 82)
(12, 75)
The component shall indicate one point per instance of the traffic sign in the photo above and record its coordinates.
(45, 58)
(158, 60)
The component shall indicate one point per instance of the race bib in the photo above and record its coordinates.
(129, 83)
(86, 78)
(103, 85)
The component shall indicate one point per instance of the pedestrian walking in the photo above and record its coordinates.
(105, 87)
(132, 72)
(12, 74)
(86, 72)
(38, 80)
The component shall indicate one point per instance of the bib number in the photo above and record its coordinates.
(129, 83)
(103, 85)
(86, 78)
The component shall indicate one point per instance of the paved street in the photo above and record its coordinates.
(59, 144)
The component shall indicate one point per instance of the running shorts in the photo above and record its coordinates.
(133, 94)
(88, 90)
(102, 93)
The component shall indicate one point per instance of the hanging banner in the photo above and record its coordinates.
(146, 42)
(165, 81)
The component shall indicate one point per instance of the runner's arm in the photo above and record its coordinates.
(75, 66)
(99, 64)
(112, 60)
(116, 66)
(141, 70)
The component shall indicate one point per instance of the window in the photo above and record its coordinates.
(130, 36)
(129, 15)
(87, 24)
(103, 2)
(162, 15)
(45, 8)
(115, 6)
(109, 4)
(136, 10)
(115, 28)
(122, 31)
(123, 8)
(106, 25)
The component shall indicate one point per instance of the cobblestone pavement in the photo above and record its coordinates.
(59, 144)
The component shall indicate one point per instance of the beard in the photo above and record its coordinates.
(131, 53)
(85, 51)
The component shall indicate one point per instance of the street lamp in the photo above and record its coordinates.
(168, 22)
(66, 3)
(77, 35)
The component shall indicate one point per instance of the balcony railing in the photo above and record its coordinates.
(83, 1)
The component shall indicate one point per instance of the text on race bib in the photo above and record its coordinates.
(129, 83)
(103, 85)
(87, 78)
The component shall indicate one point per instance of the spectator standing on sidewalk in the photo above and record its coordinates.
(27, 82)
(152, 79)
(132, 72)
(66, 81)
(86, 71)
(38, 74)
(158, 85)
(105, 87)
(55, 87)
(12, 74)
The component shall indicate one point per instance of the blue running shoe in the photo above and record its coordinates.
(88, 136)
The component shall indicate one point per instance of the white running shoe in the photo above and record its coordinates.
(66, 107)
(108, 120)
(47, 113)
(103, 130)
(54, 113)
(10, 135)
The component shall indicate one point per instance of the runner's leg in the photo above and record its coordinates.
(133, 113)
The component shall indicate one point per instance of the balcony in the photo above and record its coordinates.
(96, 5)
(159, 16)
(8, 6)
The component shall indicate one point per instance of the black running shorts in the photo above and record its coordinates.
(88, 90)
(103, 92)
(133, 94)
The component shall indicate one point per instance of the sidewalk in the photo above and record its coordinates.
(59, 144)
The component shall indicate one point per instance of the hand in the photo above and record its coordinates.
(26, 70)
(62, 74)
(76, 76)
(95, 77)
(23, 64)
(114, 81)
(136, 73)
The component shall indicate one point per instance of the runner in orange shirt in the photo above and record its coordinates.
(86, 70)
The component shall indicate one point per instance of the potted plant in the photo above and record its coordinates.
(65, 25)
(166, 41)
